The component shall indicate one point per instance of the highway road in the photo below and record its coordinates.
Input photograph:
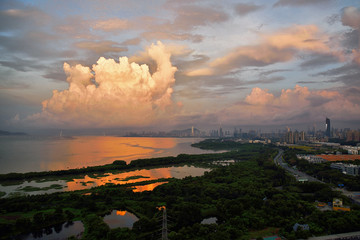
(300, 176)
(296, 173)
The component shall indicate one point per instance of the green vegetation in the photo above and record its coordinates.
(304, 148)
(2, 194)
(250, 198)
(33, 189)
(218, 144)
(131, 178)
(262, 233)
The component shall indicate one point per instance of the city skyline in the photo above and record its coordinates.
(174, 64)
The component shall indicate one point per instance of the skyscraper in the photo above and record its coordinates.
(327, 133)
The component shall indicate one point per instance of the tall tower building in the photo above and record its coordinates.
(328, 132)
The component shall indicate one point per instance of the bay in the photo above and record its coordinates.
(31, 153)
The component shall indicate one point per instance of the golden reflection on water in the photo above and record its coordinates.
(121, 213)
(148, 187)
(99, 150)
(135, 176)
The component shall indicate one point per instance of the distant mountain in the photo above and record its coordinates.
(6, 133)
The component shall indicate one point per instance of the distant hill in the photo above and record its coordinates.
(6, 133)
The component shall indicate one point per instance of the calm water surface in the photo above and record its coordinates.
(57, 233)
(87, 182)
(29, 153)
(120, 219)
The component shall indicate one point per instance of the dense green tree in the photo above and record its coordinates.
(95, 228)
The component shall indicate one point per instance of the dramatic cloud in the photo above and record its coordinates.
(280, 46)
(112, 94)
(222, 50)
(298, 105)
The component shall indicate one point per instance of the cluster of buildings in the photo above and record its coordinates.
(220, 133)
(351, 149)
(311, 158)
(294, 137)
(283, 136)
(346, 134)
(349, 169)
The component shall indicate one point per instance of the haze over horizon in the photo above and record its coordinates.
(175, 64)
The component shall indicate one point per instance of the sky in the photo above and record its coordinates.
(172, 64)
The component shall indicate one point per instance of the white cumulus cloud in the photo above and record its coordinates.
(112, 94)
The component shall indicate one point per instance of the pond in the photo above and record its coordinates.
(94, 180)
(147, 187)
(123, 219)
(59, 232)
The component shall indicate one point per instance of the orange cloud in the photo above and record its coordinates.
(259, 96)
(115, 94)
(112, 24)
(299, 37)
(280, 46)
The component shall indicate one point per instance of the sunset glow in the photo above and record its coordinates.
(172, 64)
(138, 176)
(178, 119)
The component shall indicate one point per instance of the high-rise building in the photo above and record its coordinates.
(302, 136)
(296, 137)
(328, 132)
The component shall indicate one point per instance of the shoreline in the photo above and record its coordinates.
(119, 165)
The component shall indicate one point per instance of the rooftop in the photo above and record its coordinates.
(334, 158)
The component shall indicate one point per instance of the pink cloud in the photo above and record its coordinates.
(306, 37)
(281, 46)
(259, 96)
(297, 105)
